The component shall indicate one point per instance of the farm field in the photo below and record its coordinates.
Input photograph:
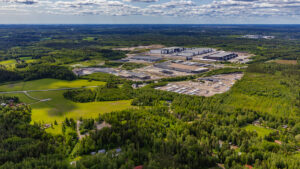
(11, 62)
(261, 131)
(47, 84)
(8, 63)
(286, 62)
(59, 108)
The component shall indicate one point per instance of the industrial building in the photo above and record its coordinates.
(181, 51)
(258, 37)
(169, 50)
(147, 58)
(221, 56)
(181, 67)
(195, 51)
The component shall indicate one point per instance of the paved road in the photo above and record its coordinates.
(45, 90)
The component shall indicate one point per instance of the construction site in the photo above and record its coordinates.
(207, 86)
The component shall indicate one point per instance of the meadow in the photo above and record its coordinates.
(12, 62)
(59, 108)
(8, 63)
(42, 84)
(261, 131)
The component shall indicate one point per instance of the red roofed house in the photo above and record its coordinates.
(248, 166)
(278, 142)
(138, 167)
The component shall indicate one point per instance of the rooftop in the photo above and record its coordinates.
(221, 54)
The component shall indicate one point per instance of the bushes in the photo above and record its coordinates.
(37, 72)
(103, 93)
(48, 71)
(6, 76)
(80, 95)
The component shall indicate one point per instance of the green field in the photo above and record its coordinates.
(59, 108)
(89, 38)
(48, 84)
(9, 63)
(12, 62)
(261, 131)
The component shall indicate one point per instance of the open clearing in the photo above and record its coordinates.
(59, 108)
(286, 62)
(12, 62)
(43, 84)
(261, 131)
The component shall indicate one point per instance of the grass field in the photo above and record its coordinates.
(9, 63)
(12, 62)
(59, 108)
(261, 131)
(48, 84)
(286, 62)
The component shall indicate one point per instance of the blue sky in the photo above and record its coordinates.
(149, 11)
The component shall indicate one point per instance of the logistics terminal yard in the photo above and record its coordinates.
(172, 62)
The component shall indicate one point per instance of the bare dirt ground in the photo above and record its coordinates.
(243, 57)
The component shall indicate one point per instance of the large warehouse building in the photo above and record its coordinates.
(169, 50)
(221, 56)
(195, 51)
(182, 51)
(147, 58)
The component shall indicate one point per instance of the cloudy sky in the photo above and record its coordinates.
(149, 11)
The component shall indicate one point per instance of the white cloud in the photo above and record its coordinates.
(27, 2)
(180, 8)
(147, 1)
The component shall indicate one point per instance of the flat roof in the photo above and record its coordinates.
(221, 54)
(196, 50)
(146, 57)
(175, 47)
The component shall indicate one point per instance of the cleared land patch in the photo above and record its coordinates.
(261, 131)
(286, 62)
(59, 108)
(43, 84)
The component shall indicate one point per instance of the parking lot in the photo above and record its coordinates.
(207, 86)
